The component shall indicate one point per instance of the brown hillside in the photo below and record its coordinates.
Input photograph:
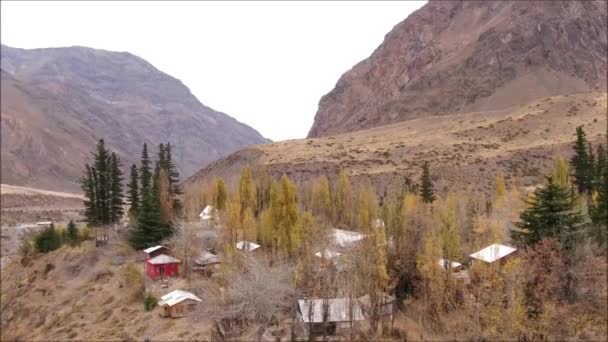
(462, 56)
(56, 104)
(464, 150)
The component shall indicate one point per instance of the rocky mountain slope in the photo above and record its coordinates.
(465, 150)
(454, 57)
(56, 103)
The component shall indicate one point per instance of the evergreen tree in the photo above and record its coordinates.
(428, 196)
(116, 198)
(551, 213)
(148, 231)
(580, 162)
(103, 182)
(72, 234)
(133, 191)
(88, 188)
(47, 240)
(162, 158)
(174, 180)
(145, 172)
(601, 165)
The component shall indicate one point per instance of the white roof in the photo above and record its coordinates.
(345, 238)
(176, 296)
(493, 252)
(152, 249)
(44, 223)
(207, 213)
(338, 310)
(247, 246)
(450, 264)
(329, 254)
(163, 259)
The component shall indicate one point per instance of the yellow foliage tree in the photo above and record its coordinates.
(343, 200)
(247, 191)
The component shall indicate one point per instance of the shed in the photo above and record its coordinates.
(493, 253)
(334, 313)
(162, 266)
(151, 252)
(178, 303)
(247, 246)
(207, 262)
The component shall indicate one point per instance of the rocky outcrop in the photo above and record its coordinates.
(56, 103)
(463, 56)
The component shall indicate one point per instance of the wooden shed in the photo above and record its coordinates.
(162, 266)
(207, 262)
(178, 303)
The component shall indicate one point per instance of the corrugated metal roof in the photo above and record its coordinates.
(163, 259)
(493, 252)
(177, 296)
(207, 213)
(247, 246)
(152, 249)
(450, 264)
(338, 310)
(206, 258)
(345, 238)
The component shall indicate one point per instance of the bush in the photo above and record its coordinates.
(134, 280)
(47, 240)
(150, 302)
(86, 233)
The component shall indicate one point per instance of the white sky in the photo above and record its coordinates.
(265, 63)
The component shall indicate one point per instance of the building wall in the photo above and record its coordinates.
(153, 271)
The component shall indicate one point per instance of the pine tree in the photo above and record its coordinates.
(116, 190)
(592, 168)
(88, 188)
(145, 172)
(102, 171)
(580, 162)
(47, 240)
(601, 165)
(165, 197)
(148, 231)
(551, 213)
(427, 193)
(72, 234)
(174, 179)
(133, 191)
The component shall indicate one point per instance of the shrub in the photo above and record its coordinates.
(86, 233)
(134, 280)
(150, 302)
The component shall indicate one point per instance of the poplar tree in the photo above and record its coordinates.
(219, 194)
(428, 196)
(580, 162)
(247, 191)
(343, 198)
(133, 191)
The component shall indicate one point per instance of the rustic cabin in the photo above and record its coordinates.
(207, 263)
(178, 304)
(493, 254)
(162, 266)
(328, 315)
(151, 252)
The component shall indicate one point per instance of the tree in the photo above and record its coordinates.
(148, 231)
(116, 191)
(174, 179)
(321, 199)
(501, 190)
(89, 189)
(601, 165)
(551, 213)
(343, 200)
(247, 191)
(145, 172)
(47, 240)
(219, 194)
(72, 234)
(427, 193)
(580, 162)
(165, 197)
(561, 174)
(185, 243)
(103, 183)
(133, 191)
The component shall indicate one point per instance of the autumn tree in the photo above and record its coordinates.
(343, 200)
(247, 191)
(220, 194)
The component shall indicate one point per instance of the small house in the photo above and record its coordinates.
(159, 264)
(207, 262)
(44, 223)
(493, 253)
(332, 314)
(178, 304)
(247, 246)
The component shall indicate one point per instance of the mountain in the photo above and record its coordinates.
(57, 102)
(465, 150)
(453, 57)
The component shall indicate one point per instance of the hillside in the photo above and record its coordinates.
(465, 151)
(56, 104)
(454, 57)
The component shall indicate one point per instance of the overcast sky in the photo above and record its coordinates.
(265, 63)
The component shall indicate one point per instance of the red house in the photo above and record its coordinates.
(159, 264)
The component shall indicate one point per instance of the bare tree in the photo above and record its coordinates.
(186, 244)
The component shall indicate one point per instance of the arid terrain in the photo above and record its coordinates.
(454, 57)
(465, 151)
(56, 104)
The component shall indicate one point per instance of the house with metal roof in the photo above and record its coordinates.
(492, 253)
(178, 303)
(247, 246)
(331, 314)
(159, 264)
